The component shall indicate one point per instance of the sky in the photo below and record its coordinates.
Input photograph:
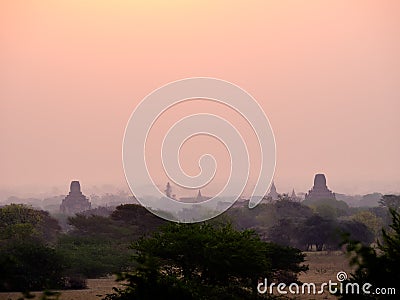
(326, 73)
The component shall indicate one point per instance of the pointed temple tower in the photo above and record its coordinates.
(294, 197)
(320, 190)
(273, 194)
(75, 202)
(168, 190)
(199, 196)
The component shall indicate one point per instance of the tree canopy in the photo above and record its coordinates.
(204, 261)
(27, 255)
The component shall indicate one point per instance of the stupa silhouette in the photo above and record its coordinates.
(75, 202)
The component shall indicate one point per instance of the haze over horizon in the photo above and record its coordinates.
(327, 74)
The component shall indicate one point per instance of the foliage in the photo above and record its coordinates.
(20, 221)
(98, 246)
(29, 265)
(370, 220)
(92, 257)
(317, 233)
(329, 208)
(379, 267)
(46, 295)
(202, 261)
(136, 215)
(287, 208)
(28, 259)
(357, 231)
(390, 201)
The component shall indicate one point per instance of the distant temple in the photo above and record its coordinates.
(320, 190)
(75, 202)
(199, 196)
(294, 197)
(273, 194)
(198, 199)
(168, 190)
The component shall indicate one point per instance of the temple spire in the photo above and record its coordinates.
(168, 190)
(293, 197)
(273, 194)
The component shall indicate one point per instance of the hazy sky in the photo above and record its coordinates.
(327, 74)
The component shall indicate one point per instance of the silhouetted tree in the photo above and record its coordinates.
(379, 267)
(132, 214)
(285, 233)
(201, 261)
(318, 232)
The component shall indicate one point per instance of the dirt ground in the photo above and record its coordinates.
(97, 288)
(323, 267)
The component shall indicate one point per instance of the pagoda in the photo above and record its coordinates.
(294, 197)
(75, 201)
(273, 194)
(320, 190)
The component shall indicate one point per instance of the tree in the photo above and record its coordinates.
(201, 261)
(137, 215)
(326, 211)
(356, 231)
(319, 232)
(378, 267)
(30, 265)
(338, 207)
(18, 220)
(390, 201)
(27, 258)
(370, 220)
(282, 233)
(98, 246)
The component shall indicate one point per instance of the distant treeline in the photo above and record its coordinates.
(36, 253)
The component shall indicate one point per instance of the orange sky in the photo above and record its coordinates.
(327, 74)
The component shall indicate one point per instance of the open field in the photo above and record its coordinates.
(323, 267)
(95, 287)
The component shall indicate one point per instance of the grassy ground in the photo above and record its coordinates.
(323, 267)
